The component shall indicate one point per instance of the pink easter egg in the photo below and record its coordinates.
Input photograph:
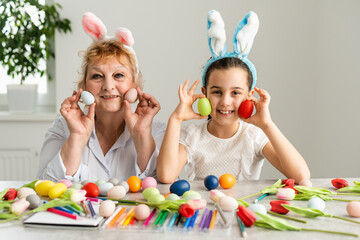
(67, 182)
(131, 95)
(148, 182)
(353, 209)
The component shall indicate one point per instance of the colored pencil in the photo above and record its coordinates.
(163, 217)
(241, 226)
(127, 216)
(64, 210)
(212, 222)
(173, 219)
(178, 220)
(187, 222)
(208, 219)
(150, 216)
(70, 208)
(261, 197)
(222, 215)
(62, 213)
(92, 211)
(132, 221)
(94, 199)
(85, 209)
(159, 217)
(193, 219)
(202, 222)
(116, 217)
(77, 207)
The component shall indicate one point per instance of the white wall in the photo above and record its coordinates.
(306, 54)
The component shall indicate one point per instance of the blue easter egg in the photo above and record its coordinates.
(179, 187)
(316, 203)
(211, 182)
(87, 97)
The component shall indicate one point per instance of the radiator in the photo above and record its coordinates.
(18, 164)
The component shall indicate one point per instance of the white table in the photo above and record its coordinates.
(15, 230)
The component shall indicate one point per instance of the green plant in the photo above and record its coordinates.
(26, 38)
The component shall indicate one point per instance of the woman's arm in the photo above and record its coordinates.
(172, 157)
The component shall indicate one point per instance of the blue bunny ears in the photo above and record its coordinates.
(243, 39)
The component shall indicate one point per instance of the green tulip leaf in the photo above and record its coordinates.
(355, 188)
(273, 188)
(275, 223)
(307, 212)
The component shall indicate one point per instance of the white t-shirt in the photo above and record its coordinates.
(120, 161)
(240, 155)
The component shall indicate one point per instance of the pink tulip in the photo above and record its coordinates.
(19, 206)
(77, 195)
(215, 195)
(285, 194)
(197, 203)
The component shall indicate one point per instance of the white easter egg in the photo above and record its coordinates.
(172, 197)
(131, 95)
(228, 204)
(353, 209)
(141, 212)
(107, 208)
(114, 181)
(104, 188)
(316, 203)
(257, 207)
(117, 192)
(24, 192)
(87, 97)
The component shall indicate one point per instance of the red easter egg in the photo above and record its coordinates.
(92, 190)
(246, 108)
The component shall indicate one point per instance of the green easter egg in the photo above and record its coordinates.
(157, 198)
(150, 191)
(204, 106)
(77, 186)
(172, 197)
(188, 195)
(99, 182)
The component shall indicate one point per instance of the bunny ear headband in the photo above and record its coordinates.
(243, 39)
(96, 29)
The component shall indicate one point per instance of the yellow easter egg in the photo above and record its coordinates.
(43, 187)
(57, 190)
(204, 106)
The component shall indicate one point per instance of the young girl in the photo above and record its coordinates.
(225, 143)
(110, 140)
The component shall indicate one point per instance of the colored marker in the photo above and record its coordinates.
(163, 217)
(173, 219)
(85, 209)
(149, 218)
(64, 210)
(212, 222)
(208, 219)
(261, 197)
(193, 219)
(92, 211)
(222, 215)
(62, 213)
(116, 217)
(202, 222)
(241, 226)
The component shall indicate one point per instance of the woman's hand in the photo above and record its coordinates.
(141, 119)
(78, 123)
(184, 110)
(262, 116)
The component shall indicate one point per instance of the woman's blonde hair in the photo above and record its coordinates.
(104, 50)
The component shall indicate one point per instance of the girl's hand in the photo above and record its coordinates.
(262, 116)
(78, 123)
(184, 110)
(141, 119)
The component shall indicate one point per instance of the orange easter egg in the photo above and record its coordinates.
(134, 183)
(227, 180)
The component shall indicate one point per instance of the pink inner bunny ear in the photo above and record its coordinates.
(124, 36)
(93, 26)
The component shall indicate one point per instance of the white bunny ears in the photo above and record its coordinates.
(243, 39)
(96, 29)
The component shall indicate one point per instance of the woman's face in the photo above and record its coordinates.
(226, 90)
(108, 81)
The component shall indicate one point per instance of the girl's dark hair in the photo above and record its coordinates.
(226, 63)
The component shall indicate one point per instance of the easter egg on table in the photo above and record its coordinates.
(211, 182)
(353, 209)
(57, 190)
(149, 192)
(131, 95)
(172, 197)
(204, 107)
(34, 201)
(77, 185)
(227, 180)
(87, 98)
(180, 187)
(316, 203)
(141, 212)
(148, 182)
(134, 183)
(104, 188)
(67, 182)
(228, 204)
(107, 208)
(114, 181)
(157, 198)
(100, 181)
(24, 192)
(117, 192)
(188, 195)
(257, 207)
(246, 108)
(92, 190)
(125, 185)
(43, 187)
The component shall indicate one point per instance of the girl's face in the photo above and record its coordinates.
(226, 90)
(108, 81)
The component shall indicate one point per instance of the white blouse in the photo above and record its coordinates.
(119, 162)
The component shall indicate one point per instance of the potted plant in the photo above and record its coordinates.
(28, 30)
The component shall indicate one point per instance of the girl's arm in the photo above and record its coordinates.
(279, 151)
(80, 127)
(172, 157)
